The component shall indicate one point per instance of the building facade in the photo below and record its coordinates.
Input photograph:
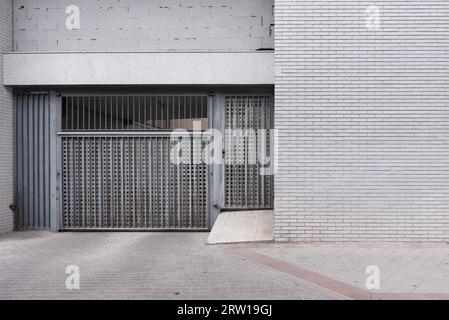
(357, 92)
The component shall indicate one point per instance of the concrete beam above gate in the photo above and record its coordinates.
(142, 68)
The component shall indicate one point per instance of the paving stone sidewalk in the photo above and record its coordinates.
(181, 266)
(406, 270)
(138, 266)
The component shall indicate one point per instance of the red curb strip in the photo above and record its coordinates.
(332, 284)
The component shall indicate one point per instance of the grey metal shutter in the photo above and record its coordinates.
(32, 163)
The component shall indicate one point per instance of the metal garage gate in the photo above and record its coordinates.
(246, 186)
(116, 167)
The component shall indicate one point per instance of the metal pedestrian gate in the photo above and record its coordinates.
(248, 138)
(249, 119)
(117, 171)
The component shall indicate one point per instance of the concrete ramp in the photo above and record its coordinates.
(243, 226)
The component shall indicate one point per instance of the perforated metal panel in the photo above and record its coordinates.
(130, 183)
(245, 185)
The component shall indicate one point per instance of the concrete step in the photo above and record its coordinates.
(243, 226)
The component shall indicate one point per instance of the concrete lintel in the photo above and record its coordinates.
(142, 68)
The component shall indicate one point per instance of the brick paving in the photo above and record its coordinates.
(139, 266)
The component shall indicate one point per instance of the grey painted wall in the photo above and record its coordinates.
(6, 123)
(141, 25)
(364, 121)
(143, 68)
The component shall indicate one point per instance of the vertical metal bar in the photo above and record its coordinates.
(164, 112)
(122, 112)
(247, 149)
(196, 181)
(242, 154)
(178, 113)
(162, 179)
(34, 165)
(172, 117)
(112, 173)
(122, 189)
(155, 122)
(46, 162)
(38, 163)
(95, 108)
(100, 180)
(259, 125)
(83, 122)
(139, 107)
(89, 111)
(230, 188)
(54, 153)
(134, 178)
(105, 112)
(179, 201)
(127, 122)
(72, 182)
(93, 161)
(190, 110)
(117, 112)
(18, 119)
(85, 181)
(88, 181)
(190, 167)
(151, 169)
(100, 113)
(144, 159)
(183, 112)
(141, 197)
(65, 186)
(105, 175)
(70, 115)
(111, 118)
(30, 161)
(77, 110)
(168, 180)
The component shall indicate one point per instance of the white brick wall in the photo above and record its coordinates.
(364, 121)
(142, 25)
(6, 123)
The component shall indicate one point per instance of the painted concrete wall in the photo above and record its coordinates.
(139, 68)
(364, 121)
(141, 25)
(6, 123)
